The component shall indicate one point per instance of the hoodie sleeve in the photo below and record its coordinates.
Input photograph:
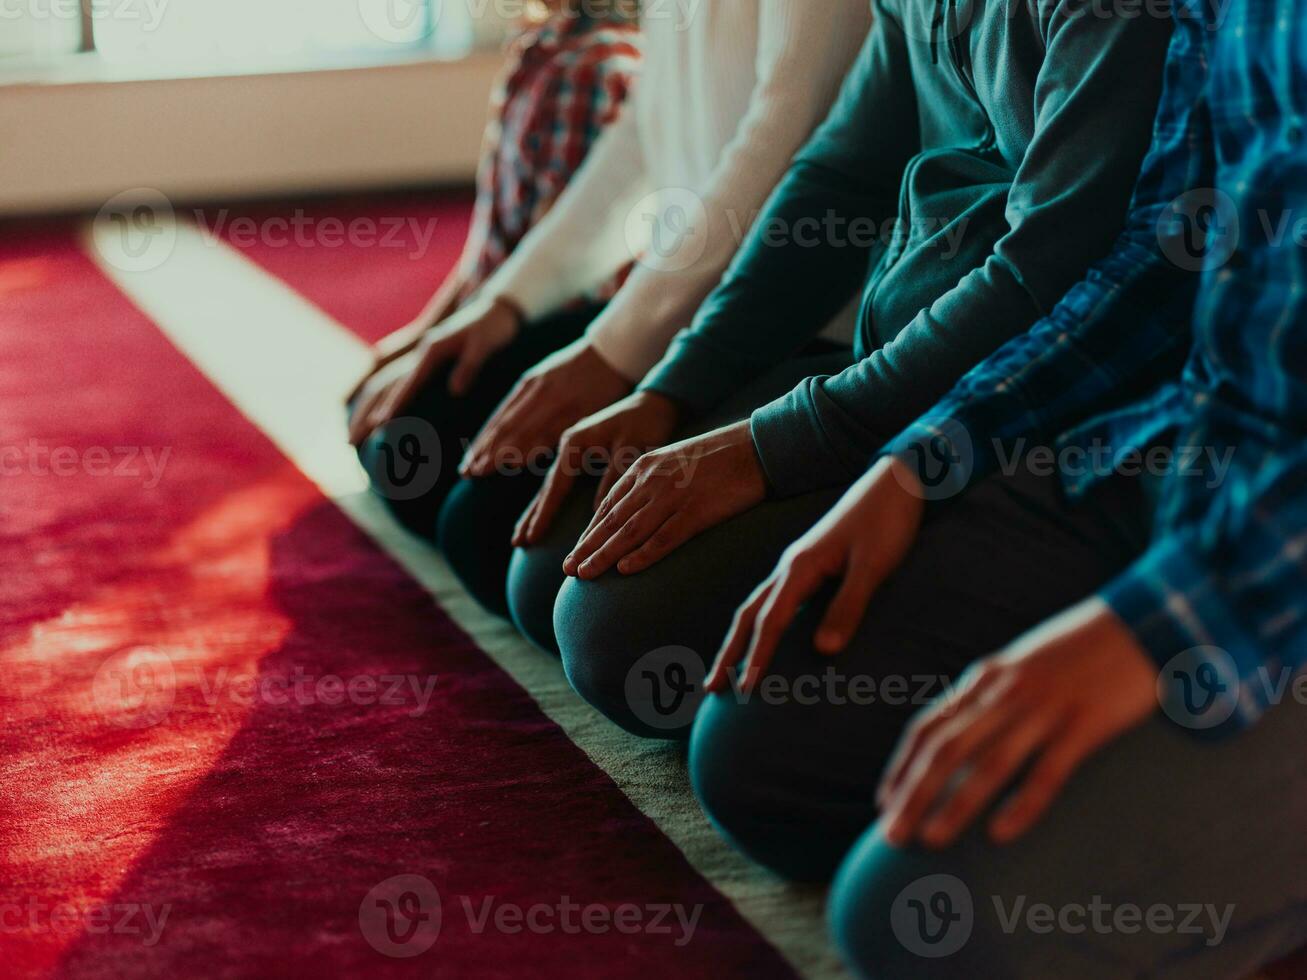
(1067, 203)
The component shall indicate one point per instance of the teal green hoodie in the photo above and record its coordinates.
(999, 141)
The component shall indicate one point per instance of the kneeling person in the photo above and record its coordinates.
(1001, 150)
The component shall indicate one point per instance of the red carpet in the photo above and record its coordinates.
(184, 791)
(188, 787)
(339, 251)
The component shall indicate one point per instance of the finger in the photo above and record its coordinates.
(737, 640)
(623, 540)
(548, 501)
(520, 529)
(923, 727)
(401, 392)
(846, 610)
(394, 399)
(616, 468)
(920, 728)
(796, 586)
(613, 498)
(503, 450)
(953, 747)
(993, 769)
(673, 533)
(379, 363)
(359, 428)
(616, 510)
(484, 442)
(518, 540)
(467, 367)
(363, 382)
(1059, 761)
(501, 430)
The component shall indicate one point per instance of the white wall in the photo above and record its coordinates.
(74, 145)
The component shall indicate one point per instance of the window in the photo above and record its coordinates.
(201, 35)
(40, 28)
(214, 30)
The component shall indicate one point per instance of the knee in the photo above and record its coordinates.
(609, 639)
(467, 535)
(917, 914)
(535, 576)
(865, 923)
(406, 475)
(746, 768)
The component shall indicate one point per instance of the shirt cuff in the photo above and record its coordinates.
(621, 349)
(525, 284)
(796, 456)
(1210, 679)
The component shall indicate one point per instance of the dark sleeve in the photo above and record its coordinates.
(1094, 101)
(791, 277)
(1116, 328)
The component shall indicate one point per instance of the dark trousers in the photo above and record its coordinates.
(1157, 820)
(412, 463)
(536, 574)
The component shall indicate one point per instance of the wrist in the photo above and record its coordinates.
(740, 436)
(904, 475)
(591, 348)
(510, 308)
(666, 409)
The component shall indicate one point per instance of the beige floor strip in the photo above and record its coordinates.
(287, 366)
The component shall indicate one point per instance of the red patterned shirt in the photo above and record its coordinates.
(566, 81)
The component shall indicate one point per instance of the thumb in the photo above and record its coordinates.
(467, 367)
(847, 609)
(620, 458)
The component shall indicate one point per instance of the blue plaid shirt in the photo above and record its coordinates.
(1193, 331)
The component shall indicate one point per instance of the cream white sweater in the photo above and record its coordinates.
(729, 91)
